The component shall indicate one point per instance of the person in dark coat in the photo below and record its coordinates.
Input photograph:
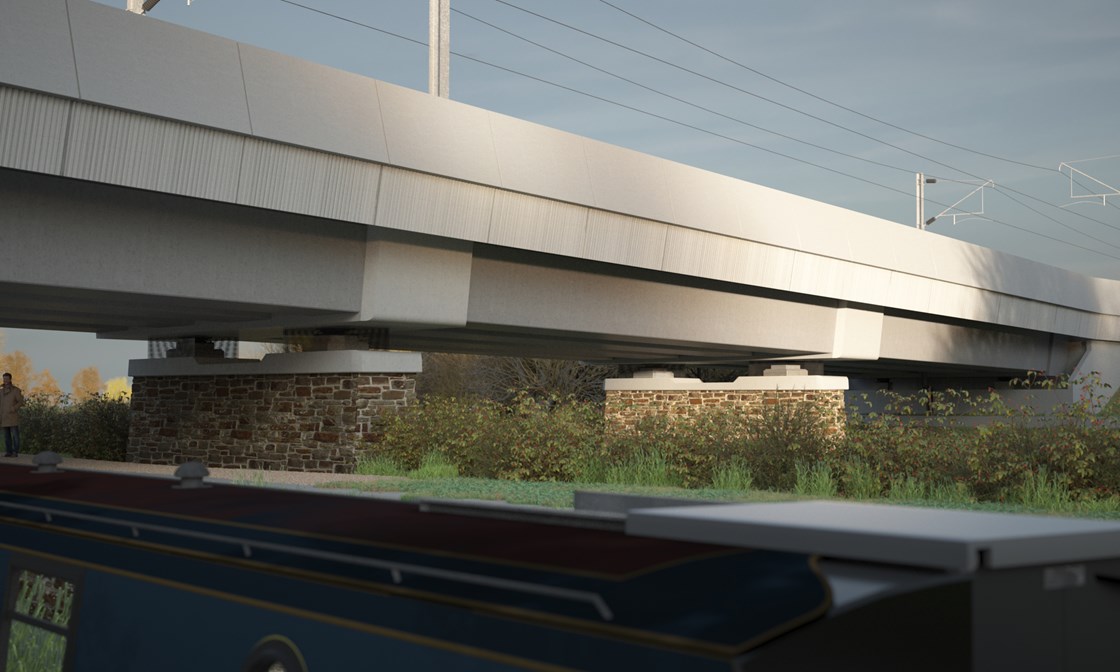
(11, 400)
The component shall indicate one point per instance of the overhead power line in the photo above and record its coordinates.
(677, 98)
(813, 95)
(731, 86)
(788, 107)
(697, 128)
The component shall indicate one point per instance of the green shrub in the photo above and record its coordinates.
(94, 428)
(529, 439)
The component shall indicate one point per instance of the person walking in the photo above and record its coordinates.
(11, 400)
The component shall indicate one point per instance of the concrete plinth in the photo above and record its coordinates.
(651, 393)
(295, 411)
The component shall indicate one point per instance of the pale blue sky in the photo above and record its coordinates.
(1033, 81)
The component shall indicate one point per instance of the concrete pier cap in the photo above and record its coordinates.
(316, 362)
(776, 377)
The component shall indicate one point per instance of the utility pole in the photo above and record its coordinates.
(922, 181)
(439, 47)
(141, 6)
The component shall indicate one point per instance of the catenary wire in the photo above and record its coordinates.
(784, 106)
(651, 56)
(730, 86)
(813, 95)
(677, 98)
(622, 105)
(605, 100)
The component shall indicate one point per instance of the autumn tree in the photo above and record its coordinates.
(86, 383)
(118, 388)
(44, 384)
(19, 365)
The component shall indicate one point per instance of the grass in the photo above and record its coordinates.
(1043, 496)
(31, 648)
(814, 481)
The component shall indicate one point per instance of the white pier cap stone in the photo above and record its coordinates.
(663, 381)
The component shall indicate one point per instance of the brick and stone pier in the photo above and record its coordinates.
(304, 411)
(657, 392)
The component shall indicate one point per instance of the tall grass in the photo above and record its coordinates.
(44, 598)
(434, 465)
(735, 475)
(1040, 490)
(907, 489)
(648, 468)
(814, 481)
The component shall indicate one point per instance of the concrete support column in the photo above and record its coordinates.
(660, 393)
(302, 411)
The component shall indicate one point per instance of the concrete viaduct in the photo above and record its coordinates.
(159, 182)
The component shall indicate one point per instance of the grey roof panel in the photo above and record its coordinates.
(938, 538)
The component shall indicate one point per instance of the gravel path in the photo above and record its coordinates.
(253, 476)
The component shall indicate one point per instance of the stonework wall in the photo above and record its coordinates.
(625, 407)
(298, 422)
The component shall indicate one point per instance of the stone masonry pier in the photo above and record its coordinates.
(295, 411)
(659, 393)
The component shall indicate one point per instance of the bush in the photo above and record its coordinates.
(891, 453)
(526, 440)
(95, 428)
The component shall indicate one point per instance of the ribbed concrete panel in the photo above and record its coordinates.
(436, 135)
(867, 284)
(114, 146)
(422, 203)
(1108, 328)
(1026, 314)
(200, 162)
(1068, 321)
(35, 50)
(538, 224)
(132, 150)
(540, 161)
(143, 64)
(32, 131)
(617, 239)
(350, 190)
(703, 200)
(909, 292)
(708, 255)
(702, 254)
(629, 182)
(280, 177)
(821, 276)
(303, 103)
(967, 303)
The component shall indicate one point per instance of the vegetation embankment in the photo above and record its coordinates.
(93, 427)
(914, 449)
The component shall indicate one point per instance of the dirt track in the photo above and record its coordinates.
(252, 476)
